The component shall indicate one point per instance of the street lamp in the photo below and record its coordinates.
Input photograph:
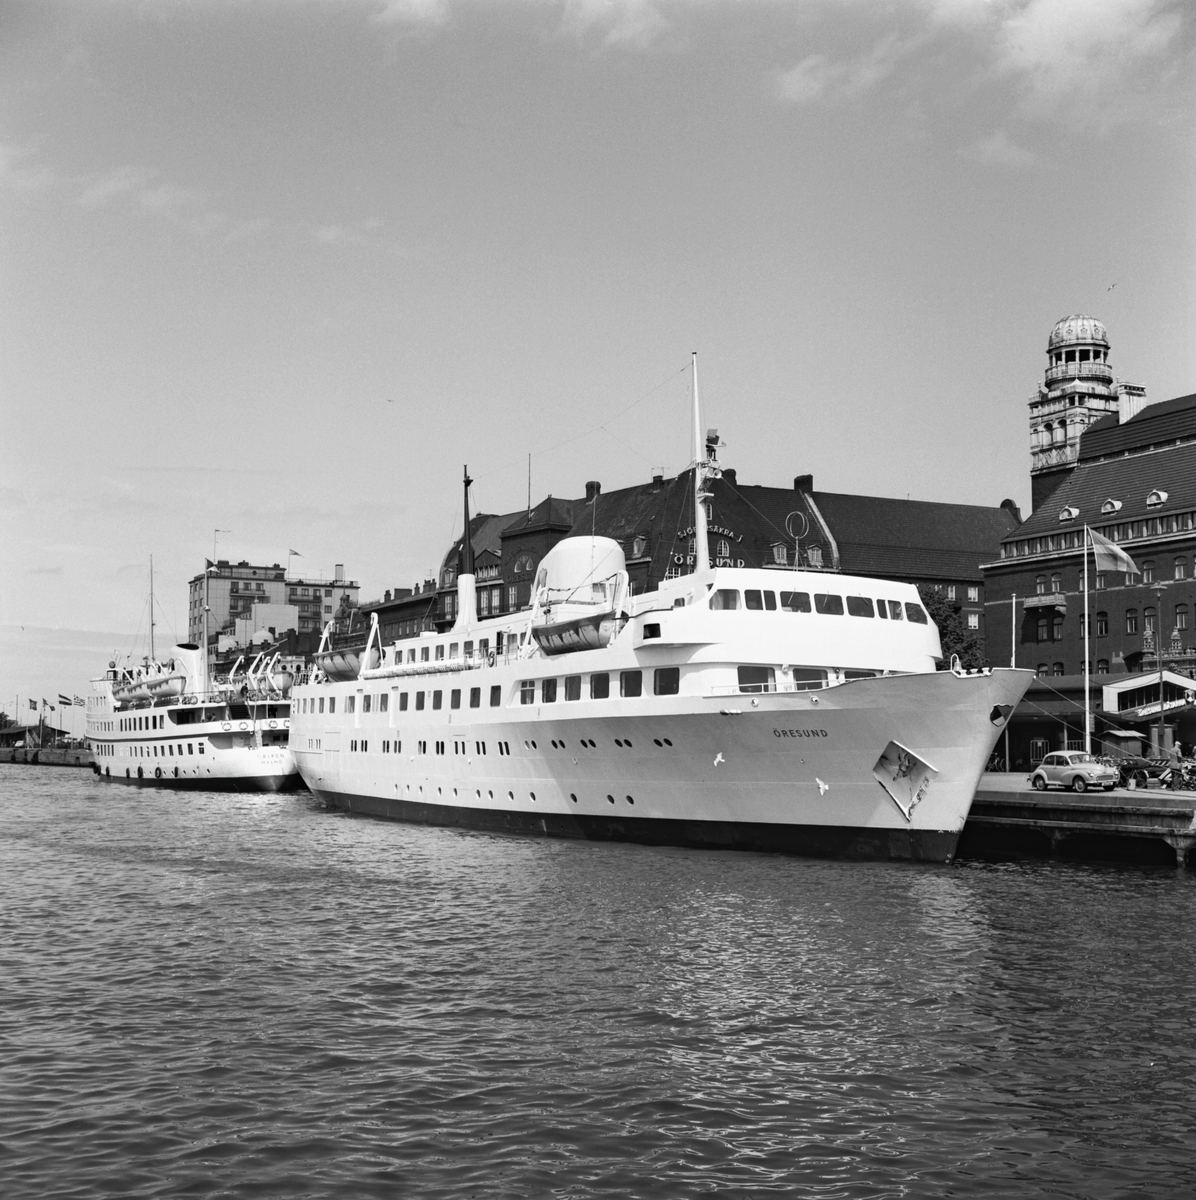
(1159, 589)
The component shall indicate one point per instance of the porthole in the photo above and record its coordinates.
(573, 797)
(618, 741)
(490, 794)
(534, 745)
(630, 800)
(627, 743)
(479, 793)
(533, 796)
(611, 799)
(658, 742)
(510, 795)
(667, 742)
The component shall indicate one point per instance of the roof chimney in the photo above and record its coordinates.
(1131, 399)
(729, 476)
(803, 483)
(593, 487)
(340, 572)
(657, 481)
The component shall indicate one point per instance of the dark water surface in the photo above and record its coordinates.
(209, 995)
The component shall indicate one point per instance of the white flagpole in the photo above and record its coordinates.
(1087, 656)
(1013, 631)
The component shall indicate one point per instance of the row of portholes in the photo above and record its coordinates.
(511, 795)
(610, 798)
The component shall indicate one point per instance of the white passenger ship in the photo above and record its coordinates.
(796, 711)
(165, 724)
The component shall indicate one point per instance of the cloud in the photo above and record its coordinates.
(18, 172)
(1068, 48)
(46, 571)
(431, 13)
(999, 150)
(100, 190)
(818, 77)
(633, 23)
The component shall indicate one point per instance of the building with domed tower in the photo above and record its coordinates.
(1078, 389)
(1102, 458)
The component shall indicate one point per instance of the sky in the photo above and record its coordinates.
(280, 268)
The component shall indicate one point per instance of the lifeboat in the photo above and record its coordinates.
(580, 595)
(344, 662)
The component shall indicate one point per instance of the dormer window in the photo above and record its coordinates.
(1069, 513)
(639, 546)
(1111, 506)
(1157, 497)
(780, 554)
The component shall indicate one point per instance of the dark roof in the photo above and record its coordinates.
(550, 513)
(1129, 479)
(881, 536)
(1156, 425)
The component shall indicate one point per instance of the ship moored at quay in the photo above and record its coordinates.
(168, 724)
(797, 711)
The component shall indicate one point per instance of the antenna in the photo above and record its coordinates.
(701, 536)
(152, 655)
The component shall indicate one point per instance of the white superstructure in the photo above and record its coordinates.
(782, 710)
(165, 724)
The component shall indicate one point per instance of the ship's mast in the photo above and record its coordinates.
(466, 576)
(152, 655)
(701, 466)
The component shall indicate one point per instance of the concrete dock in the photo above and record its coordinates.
(1147, 825)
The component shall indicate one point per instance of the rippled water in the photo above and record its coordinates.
(204, 994)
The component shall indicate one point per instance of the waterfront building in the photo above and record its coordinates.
(929, 544)
(1129, 474)
(231, 590)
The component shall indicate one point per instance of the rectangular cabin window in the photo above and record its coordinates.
(795, 601)
(452, 650)
(439, 653)
(365, 703)
(753, 599)
(321, 704)
(496, 695)
(859, 606)
(831, 606)
(419, 701)
(573, 687)
(770, 601)
(725, 598)
(666, 681)
(384, 703)
(455, 698)
(756, 679)
(475, 697)
(527, 691)
(548, 691)
(916, 613)
(631, 684)
(599, 686)
(423, 654)
(350, 703)
(882, 610)
(411, 655)
(402, 702)
(332, 704)
(483, 647)
(437, 699)
(806, 679)
(895, 609)
(468, 650)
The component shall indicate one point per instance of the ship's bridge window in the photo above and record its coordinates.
(795, 601)
(666, 681)
(894, 609)
(725, 598)
(882, 610)
(757, 679)
(859, 606)
(831, 606)
(916, 613)
(758, 600)
(599, 686)
(806, 679)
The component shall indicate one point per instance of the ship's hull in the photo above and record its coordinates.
(879, 768)
(276, 782)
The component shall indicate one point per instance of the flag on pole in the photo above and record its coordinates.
(33, 704)
(65, 700)
(79, 701)
(1110, 556)
(295, 553)
(47, 704)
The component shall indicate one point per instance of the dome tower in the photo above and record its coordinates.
(1079, 388)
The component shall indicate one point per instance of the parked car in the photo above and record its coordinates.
(1073, 769)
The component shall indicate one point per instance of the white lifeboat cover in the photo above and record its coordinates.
(574, 565)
